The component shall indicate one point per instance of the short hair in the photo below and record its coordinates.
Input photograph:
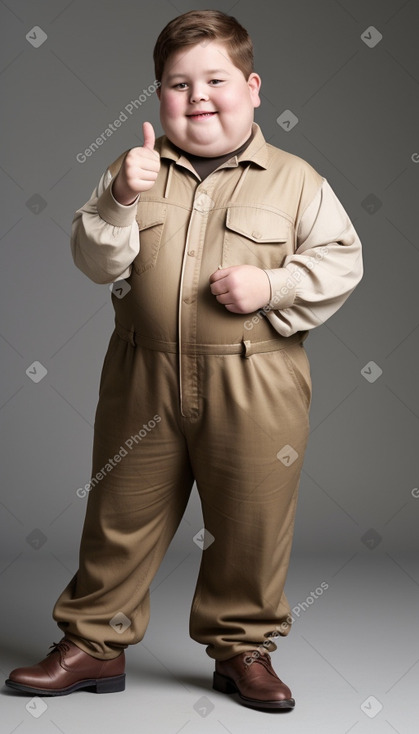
(196, 26)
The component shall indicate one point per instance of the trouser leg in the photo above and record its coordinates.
(134, 510)
(249, 496)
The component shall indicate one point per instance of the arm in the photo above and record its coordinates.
(104, 235)
(316, 280)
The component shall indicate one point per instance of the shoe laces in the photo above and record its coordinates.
(61, 646)
(263, 658)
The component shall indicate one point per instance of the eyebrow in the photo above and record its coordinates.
(210, 71)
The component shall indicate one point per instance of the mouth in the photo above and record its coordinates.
(201, 115)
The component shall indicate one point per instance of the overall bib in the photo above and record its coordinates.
(190, 391)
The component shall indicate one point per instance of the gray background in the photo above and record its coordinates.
(358, 126)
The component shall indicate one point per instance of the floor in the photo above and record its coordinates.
(351, 659)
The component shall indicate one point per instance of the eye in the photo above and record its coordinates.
(180, 85)
(216, 81)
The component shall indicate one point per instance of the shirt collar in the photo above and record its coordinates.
(256, 152)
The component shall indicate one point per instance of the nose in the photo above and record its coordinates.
(197, 94)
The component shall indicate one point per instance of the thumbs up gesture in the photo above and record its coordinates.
(139, 170)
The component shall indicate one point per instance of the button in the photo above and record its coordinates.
(256, 235)
(191, 253)
(203, 203)
(189, 299)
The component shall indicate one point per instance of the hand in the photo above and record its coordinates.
(241, 288)
(139, 170)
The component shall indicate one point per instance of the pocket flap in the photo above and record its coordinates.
(149, 214)
(258, 225)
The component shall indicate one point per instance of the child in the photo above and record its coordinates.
(229, 250)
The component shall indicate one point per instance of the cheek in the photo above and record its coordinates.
(231, 101)
(170, 105)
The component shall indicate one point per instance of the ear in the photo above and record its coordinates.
(254, 83)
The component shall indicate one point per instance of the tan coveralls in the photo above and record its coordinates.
(189, 390)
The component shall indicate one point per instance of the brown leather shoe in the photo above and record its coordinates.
(250, 674)
(67, 668)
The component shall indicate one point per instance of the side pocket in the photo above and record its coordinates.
(111, 346)
(298, 365)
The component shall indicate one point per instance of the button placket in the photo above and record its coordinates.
(188, 369)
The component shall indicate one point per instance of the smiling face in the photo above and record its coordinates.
(206, 104)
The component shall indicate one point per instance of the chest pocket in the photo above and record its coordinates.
(256, 236)
(150, 217)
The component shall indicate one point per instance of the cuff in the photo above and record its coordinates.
(283, 289)
(112, 212)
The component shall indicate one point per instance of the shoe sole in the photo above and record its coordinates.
(98, 685)
(223, 684)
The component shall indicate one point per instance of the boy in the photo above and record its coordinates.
(230, 250)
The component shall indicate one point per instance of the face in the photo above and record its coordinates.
(206, 104)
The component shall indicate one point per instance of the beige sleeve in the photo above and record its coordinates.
(325, 268)
(104, 235)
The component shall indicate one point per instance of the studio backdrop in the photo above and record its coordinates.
(340, 82)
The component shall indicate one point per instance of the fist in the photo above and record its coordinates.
(139, 170)
(241, 288)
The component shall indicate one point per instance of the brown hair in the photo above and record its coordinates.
(199, 25)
